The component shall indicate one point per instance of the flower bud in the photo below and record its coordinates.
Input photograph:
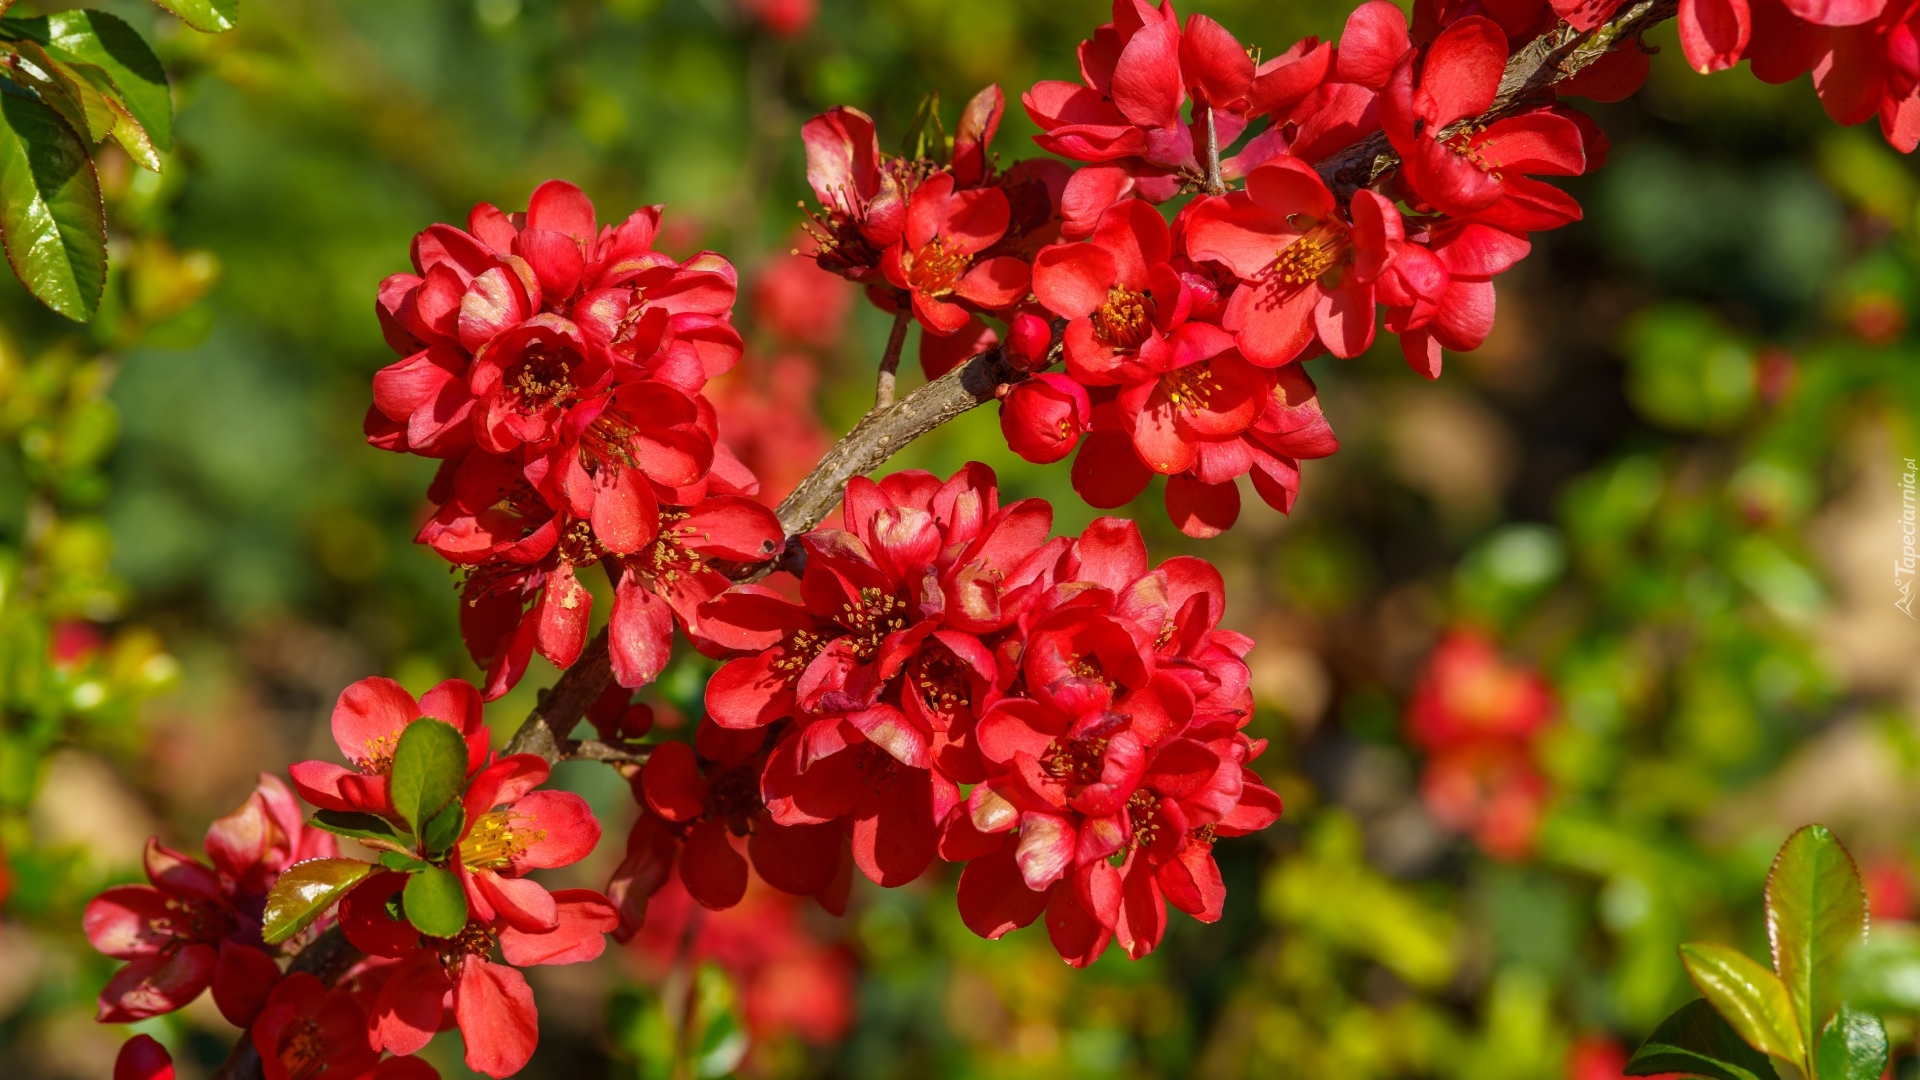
(1044, 417)
(1028, 340)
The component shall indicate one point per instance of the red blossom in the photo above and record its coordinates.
(143, 1058)
(935, 260)
(368, 720)
(1468, 693)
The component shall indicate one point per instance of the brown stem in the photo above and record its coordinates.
(1215, 186)
(890, 360)
(1553, 57)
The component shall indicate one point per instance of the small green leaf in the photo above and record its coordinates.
(435, 901)
(209, 16)
(95, 37)
(429, 769)
(1752, 999)
(51, 218)
(71, 93)
(925, 137)
(401, 861)
(1852, 1047)
(1696, 1041)
(1816, 912)
(443, 830)
(357, 826)
(304, 891)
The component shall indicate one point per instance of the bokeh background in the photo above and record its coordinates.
(1669, 484)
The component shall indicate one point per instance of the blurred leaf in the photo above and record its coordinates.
(1816, 911)
(435, 901)
(210, 16)
(403, 862)
(1883, 974)
(54, 223)
(925, 137)
(429, 769)
(1687, 370)
(1696, 1041)
(1852, 1047)
(1752, 999)
(304, 891)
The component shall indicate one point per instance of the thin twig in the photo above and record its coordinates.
(1215, 185)
(890, 360)
(1553, 57)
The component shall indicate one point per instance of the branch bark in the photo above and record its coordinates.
(1553, 57)
(890, 359)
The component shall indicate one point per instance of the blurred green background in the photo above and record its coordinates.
(1669, 482)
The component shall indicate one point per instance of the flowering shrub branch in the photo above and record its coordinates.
(942, 677)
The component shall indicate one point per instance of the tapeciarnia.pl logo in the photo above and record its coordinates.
(1903, 567)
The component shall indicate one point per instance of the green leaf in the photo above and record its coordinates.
(435, 901)
(1852, 1047)
(1884, 974)
(210, 16)
(443, 830)
(401, 861)
(305, 890)
(429, 769)
(72, 94)
(118, 51)
(1816, 912)
(1752, 999)
(925, 137)
(357, 826)
(1696, 1041)
(51, 218)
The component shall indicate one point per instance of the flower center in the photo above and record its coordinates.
(1461, 143)
(1143, 813)
(608, 444)
(378, 759)
(496, 838)
(303, 1049)
(942, 680)
(1191, 388)
(1077, 761)
(1318, 251)
(934, 268)
(542, 380)
(870, 618)
(193, 921)
(1122, 321)
(579, 546)
(669, 558)
(735, 794)
(799, 650)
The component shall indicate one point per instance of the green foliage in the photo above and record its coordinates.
(435, 902)
(1816, 911)
(73, 81)
(1696, 1041)
(304, 891)
(429, 769)
(1751, 998)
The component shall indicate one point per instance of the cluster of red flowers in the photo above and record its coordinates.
(194, 926)
(1477, 717)
(197, 926)
(556, 369)
(1090, 702)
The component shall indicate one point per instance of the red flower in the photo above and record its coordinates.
(1303, 270)
(1864, 54)
(194, 927)
(1128, 104)
(783, 18)
(1128, 308)
(142, 1058)
(704, 800)
(1492, 791)
(511, 829)
(1044, 417)
(800, 303)
(307, 1031)
(491, 1002)
(525, 379)
(1468, 694)
(1481, 174)
(368, 720)
(1440, 292)
(935, 258)
(863, 210)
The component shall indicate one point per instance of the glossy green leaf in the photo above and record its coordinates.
(95, 37)
(51, 217)
(1816, 912)
(358, 826)
(401, 861)
(71, 93)
(443, 830)
(211, 16)
(1697, 1041)
(304, 891)
(429, 769)
(1752, 999)
(1853, 1046)
(435, 901)
(133, 138)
